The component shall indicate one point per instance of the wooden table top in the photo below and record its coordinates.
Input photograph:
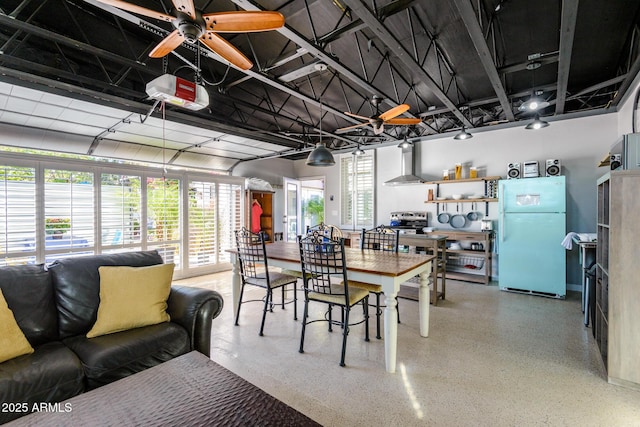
(377, 262)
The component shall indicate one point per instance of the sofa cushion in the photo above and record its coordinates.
(131, 297)
(51, 374)
(77, 286)
(28, 290)
(12, 341)
(111, 357)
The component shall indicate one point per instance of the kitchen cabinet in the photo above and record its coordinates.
(489, 191)
(466, 264)
(265, 198)
(617, 293)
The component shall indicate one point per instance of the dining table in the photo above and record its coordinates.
(385, 268)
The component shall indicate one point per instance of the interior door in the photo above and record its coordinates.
(292, 209)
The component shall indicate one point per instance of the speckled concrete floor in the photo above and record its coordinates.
(492, 359)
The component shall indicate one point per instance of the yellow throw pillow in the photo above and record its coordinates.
(132, 297)
(13, 343)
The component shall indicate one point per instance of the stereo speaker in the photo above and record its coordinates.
(615, 161)
(513, 170)
(552, 167)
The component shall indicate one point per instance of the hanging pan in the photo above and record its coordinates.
(458, 220)
(473, 215)
(443, 217)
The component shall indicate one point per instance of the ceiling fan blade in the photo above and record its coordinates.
(395, 111)
(402, 121)
(169, 43)
(185, 6)
(138, 10)
(226, 50)
(341, 130)
(358, 116)
(243, 21)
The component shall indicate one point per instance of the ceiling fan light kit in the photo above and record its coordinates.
(389, 117)
(191, 25)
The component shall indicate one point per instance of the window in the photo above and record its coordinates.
(214, 213)
(51, 210)
(357, 191)
(69, 215)
(17, 215)
(163, 218)
(121, 211)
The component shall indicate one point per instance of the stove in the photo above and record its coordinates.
(410, 222)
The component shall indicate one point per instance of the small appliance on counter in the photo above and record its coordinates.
(486, 224)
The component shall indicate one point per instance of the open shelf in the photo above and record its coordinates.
(451, 181)
(486, 199)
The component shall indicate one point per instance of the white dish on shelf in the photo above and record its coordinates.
(441, 198)
(456, 196)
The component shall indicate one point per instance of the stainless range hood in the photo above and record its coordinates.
(406, 168)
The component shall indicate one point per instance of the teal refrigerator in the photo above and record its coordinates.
(531, 227)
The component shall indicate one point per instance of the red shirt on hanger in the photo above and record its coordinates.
(256, 212)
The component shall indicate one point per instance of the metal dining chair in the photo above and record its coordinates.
(380, 238)
(321, 259)
(254, 270)
(329, 231)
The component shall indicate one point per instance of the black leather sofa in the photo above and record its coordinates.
(56, 307)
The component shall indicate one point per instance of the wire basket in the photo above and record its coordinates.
(466, 262)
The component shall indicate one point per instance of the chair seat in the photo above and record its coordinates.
(355, 295)
(277, 280)
(294, 273)
(369, 287)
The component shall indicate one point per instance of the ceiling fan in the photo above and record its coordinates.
(191, 25)
(378, 121)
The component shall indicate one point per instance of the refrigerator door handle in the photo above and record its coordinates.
(501, 207)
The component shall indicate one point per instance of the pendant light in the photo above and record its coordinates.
(358, 151)
(405, 143)
(463, 134)
(320, 156)
(537, 123)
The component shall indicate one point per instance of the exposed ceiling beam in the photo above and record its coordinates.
(567, 31)
(475, 32)
(626, 84)
(82, 47)
(328, 59)
(357, 24)
(424, 83)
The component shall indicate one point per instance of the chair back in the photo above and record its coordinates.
(330, 231)
(320, 259)
(380, 238)
(251, 254)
